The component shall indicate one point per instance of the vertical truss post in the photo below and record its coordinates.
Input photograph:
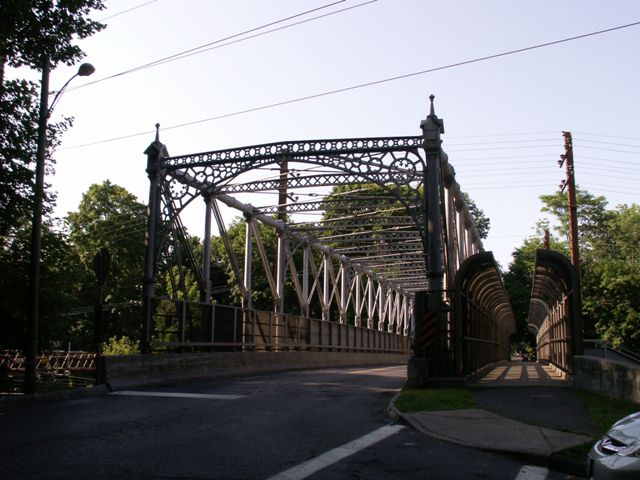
(306, 258)
(344, 291)
(247, 301)
(206, 260)
(156, 153)
(282, 236)
(358, 305)
(370, 302)
(326, 288)
(281, 272)
(382, 297)
(425, 349)
(281, 275)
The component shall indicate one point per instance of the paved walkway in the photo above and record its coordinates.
(528, 416)
(513, 374)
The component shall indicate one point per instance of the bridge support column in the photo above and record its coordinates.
(206, 260)
(427, 345)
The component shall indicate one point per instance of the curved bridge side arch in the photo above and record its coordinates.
(555, 311)
(484, 319)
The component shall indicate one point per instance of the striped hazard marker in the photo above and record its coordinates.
(428, 329)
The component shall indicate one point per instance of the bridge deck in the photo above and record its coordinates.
(513, 374)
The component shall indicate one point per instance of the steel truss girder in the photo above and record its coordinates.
(308, 181)
(320, 205)
(378, 283)
(369, 160)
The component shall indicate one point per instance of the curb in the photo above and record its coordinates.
(555, 461)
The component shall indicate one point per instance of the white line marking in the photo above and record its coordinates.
(209, 396)
(310, 467)
(529, 472)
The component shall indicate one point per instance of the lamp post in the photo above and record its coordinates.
(45, 111)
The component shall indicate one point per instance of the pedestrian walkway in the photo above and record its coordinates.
(529, 415)
(513, 374)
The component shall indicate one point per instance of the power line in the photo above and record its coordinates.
(359, 86)
(215, 44)
(607, 149)
(501, 142)
(610, 143)
(126, 11)
(606, 136)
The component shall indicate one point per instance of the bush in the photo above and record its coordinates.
(121, 346)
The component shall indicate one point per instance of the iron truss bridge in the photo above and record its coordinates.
(363, 233)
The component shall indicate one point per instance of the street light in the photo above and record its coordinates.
(44, 113)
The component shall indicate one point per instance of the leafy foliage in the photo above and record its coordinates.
(32, 32)
(33, 29)
(121, 346)
(109, 216)
(481, 221)
(609, 243)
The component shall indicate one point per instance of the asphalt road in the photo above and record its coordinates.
(317, 424)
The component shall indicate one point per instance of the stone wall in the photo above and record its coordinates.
(615, 379)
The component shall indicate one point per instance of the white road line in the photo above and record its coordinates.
(530, 472)
(310, 467)
(209, 396)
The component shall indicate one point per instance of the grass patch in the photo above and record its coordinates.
(604, 412)
(434, 399)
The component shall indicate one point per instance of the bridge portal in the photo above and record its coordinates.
(342, 244)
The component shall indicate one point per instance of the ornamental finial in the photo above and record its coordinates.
(431, 97)
(157, 132)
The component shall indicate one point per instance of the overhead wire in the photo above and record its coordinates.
(362, 85)
(219, 43)
(126, 11)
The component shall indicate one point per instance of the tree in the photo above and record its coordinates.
(611, 279)
(33, 30)
(592, 215)
(33, 33)
(57, 296)
(110, 216)
(609, 242)
(480, 220)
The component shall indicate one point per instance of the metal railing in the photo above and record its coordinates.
(55, 370)
(627, 353)
(206, 327)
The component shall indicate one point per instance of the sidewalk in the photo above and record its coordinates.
(525, 412)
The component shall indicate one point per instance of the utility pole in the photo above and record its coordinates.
(547, 241)
(33, 307)
(570, 182)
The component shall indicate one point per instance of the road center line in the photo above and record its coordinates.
(208, 396)
(310, 467)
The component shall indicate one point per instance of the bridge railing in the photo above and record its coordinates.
(207, 327)
(555, 310)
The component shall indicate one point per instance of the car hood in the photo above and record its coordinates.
(626, 430)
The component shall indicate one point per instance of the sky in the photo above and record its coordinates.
(503, 116)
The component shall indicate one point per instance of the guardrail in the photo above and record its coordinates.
(607, 347)
(54, 370)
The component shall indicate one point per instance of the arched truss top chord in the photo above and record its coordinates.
(554, 278)
(300, 149)
(392, 163)
(479, 280)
